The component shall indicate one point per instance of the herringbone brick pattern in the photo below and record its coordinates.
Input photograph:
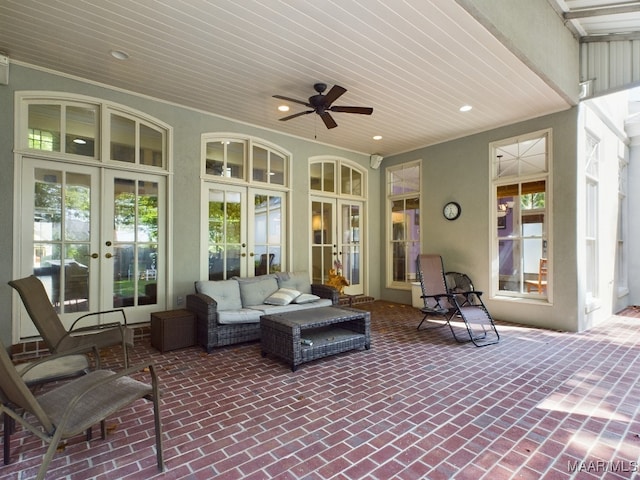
(538, 405)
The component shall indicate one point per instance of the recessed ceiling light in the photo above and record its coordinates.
(119, 54)
(283, 108)
(377, 137)
(465, 108)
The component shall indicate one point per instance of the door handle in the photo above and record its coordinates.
(251, 254)
(93, 255)
(109, 255)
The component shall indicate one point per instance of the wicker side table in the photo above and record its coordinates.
(306, 335)
(173, 329)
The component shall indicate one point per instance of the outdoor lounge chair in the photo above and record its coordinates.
(451, 297)
(73, 407)
(49, 369)
(58, 339)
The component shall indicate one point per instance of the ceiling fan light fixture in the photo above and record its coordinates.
(283, 108)
(465, 108)
(377, 137)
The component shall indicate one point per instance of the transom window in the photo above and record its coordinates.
(73, 129)
(324, 177)
(244, 160)
(64, 127)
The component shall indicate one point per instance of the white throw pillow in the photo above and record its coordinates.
(284, 296)
(306, 298)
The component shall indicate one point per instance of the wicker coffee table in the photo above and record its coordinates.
(306, 335)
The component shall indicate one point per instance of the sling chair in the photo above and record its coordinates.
(39, 307)
(35, 374)
(74, 406)
(451, 297)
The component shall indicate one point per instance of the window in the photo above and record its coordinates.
(268, 166)
(244, 160)
(521, 184)
(63, 127)
(403, 220)
(72, 128)
(621, 247)
(133, 141)
(591, 165)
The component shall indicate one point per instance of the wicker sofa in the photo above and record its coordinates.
(229, 311)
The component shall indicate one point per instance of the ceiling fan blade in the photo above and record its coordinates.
(283, 119)
(360, 110)
(328, 120)
(306, 104)
(335, 92)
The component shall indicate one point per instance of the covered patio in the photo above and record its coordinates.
(538, 405)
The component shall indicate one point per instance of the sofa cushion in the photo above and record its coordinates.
(226, 293)
(295, 280)
(265, 309)
(283, 296)
(242, 315)
(255, 290)
(306, 298)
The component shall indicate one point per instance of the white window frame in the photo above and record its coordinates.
(592, 162)
(246, 185)
(622, 254)
(390, 242)
(519, 177)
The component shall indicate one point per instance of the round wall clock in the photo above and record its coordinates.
(451, 210)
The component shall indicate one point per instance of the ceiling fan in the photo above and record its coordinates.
(321, 104)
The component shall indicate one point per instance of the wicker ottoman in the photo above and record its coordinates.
(173, 329)
(306, 335)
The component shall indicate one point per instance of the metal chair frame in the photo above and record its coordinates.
(451, 296)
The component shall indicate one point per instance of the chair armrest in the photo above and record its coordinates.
(99, 327)
(326, 291)
(438, 296)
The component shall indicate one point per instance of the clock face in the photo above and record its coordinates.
(452, 211)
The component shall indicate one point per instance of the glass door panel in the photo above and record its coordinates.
(323, 247)
(58, 225)
(349, 251)
(226, 233)
(134, 249)
(267, 234)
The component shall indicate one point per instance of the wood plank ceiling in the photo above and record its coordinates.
(415, 62)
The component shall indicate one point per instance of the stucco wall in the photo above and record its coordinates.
(460, 170)
(188, 126)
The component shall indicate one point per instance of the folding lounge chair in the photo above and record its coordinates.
(73, 407)
(58, 339)
(451, 297)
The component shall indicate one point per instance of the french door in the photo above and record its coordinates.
(95, 237)
(245, 231)
(335, 244)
